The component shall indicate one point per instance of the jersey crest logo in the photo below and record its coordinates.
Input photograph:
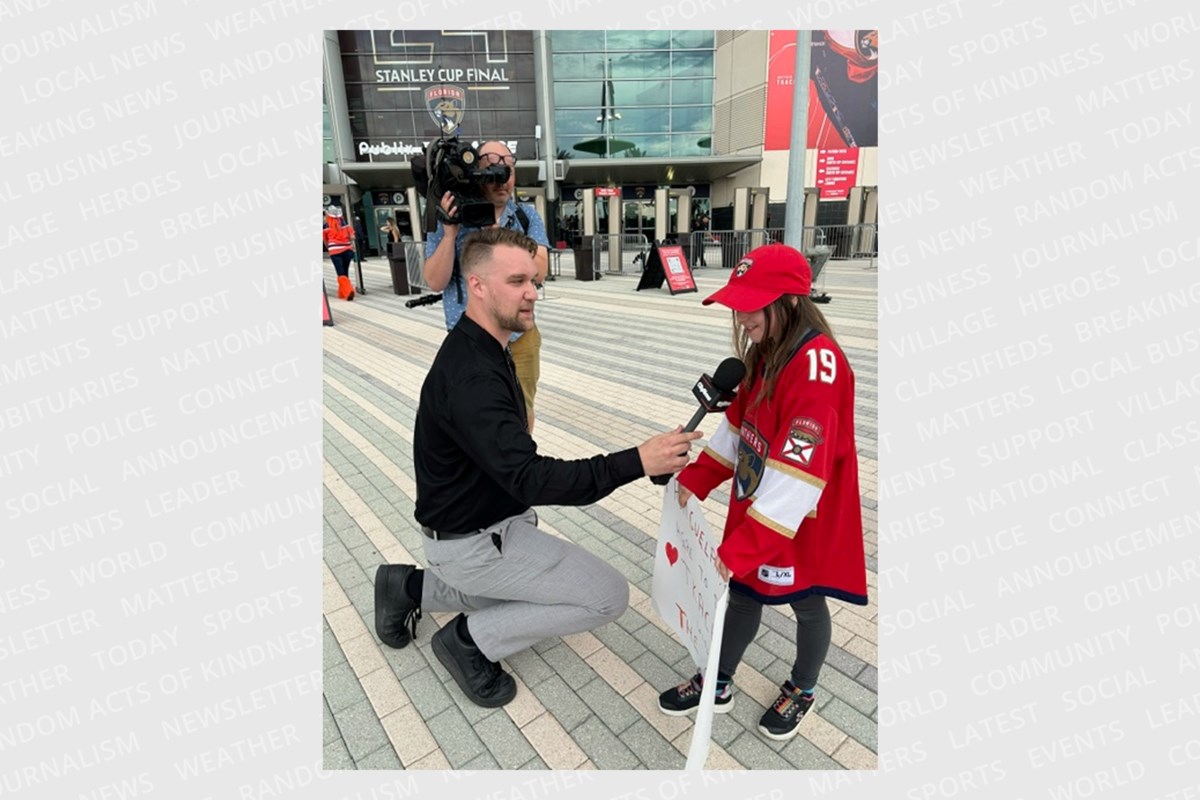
(802, 440)
(446, 104)
(752, 452)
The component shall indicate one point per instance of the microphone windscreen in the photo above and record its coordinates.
(729, 374)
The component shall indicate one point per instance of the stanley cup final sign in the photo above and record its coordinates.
(691, 597)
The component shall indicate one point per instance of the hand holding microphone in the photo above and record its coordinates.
(667, 452)
(713, 394)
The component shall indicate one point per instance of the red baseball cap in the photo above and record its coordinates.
(764, 275)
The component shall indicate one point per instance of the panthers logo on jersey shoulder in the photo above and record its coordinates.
(751, 460)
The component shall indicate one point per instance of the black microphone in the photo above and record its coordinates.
(714, 394)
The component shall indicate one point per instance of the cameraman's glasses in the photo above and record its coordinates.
(492, 159)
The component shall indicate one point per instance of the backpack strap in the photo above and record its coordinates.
(808, 336)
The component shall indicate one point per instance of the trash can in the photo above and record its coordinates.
(733, 247)
(399, 267)
(816, 256)
(584, 270)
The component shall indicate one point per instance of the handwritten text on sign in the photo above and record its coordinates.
(686, 584)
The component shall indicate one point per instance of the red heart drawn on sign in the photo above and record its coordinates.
(672, 554)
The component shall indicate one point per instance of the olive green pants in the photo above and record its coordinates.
(527, 357)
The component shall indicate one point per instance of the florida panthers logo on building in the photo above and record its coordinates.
(752, 453)
(446, 105)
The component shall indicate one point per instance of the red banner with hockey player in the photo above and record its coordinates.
(843, 89)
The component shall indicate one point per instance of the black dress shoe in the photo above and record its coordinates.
(481, 680)
(396, 614)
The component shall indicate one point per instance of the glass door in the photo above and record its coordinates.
(639, 218)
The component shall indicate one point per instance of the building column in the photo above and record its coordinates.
(684, 223)
(759, 201)
(811, 198)
(339, 107)
(854, 206)
(615, 221)
(543, 87)
(539, 205)
(870, 216)
(587, 211)
(741, 208)
(662, 212)
(414, 214)
(870, 213)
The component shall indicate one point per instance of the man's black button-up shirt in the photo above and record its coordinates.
(475, 461)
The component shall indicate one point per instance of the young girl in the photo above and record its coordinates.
(794, 529)
(339, 240)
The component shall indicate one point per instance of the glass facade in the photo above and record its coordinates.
(631, 94)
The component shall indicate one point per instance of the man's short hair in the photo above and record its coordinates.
(478, 246)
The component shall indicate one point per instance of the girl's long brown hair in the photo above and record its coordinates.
(787, 320)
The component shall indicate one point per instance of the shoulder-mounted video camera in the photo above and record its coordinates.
(449, 165)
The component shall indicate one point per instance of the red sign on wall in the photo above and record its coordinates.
(607, 191)
(837, 171)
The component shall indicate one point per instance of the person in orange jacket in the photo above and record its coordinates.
(339, 240)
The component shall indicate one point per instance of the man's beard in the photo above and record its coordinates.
(497, 195)
(513, 324)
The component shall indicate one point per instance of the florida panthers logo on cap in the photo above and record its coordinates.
(752, 451)
(743, 267)
(446, 105)
(802, 440)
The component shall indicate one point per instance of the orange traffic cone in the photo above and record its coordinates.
(345, 288)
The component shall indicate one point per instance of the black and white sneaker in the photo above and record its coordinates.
(685, 698)
(782, 720)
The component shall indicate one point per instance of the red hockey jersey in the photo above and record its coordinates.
(795, 519)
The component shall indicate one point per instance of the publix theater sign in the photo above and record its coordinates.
(389, 149)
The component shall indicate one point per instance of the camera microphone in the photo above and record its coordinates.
(713, 394)
(424, 300)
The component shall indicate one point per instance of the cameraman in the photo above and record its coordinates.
(443, 249)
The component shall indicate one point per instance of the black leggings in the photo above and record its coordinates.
(813, 633)
(341, 262)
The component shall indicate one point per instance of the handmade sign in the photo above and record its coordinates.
(691, 597)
